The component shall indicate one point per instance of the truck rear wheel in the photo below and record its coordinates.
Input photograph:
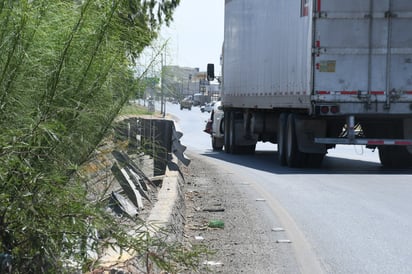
(281, 134)
(217, 144)
(227, 131)
(249, 149)
(294, 157)
(395, 157)
(234, 148)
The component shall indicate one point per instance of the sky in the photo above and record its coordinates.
(196, 34)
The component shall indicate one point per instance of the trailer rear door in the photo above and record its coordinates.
(362, 52)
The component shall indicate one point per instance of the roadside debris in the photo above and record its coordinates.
(284, 241)
(214, 209)
(212, 263)
(216, 224)
(199, 238)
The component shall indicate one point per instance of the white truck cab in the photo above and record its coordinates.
(215, 126)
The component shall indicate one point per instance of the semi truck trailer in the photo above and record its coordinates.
(308, 75)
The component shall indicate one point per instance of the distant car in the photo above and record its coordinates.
(186, 103)
(208, 107)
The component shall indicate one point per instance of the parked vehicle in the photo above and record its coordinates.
(200, 99)
(308, 75)
(186, 103)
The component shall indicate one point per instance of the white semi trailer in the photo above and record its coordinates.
(310, 74)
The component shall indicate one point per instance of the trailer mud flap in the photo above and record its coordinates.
(307, 130)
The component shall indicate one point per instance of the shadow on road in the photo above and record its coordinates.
(267, 161)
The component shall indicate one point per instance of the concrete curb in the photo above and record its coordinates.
(168, 212)
(167, 215)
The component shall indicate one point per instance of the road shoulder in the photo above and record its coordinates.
(247, 243)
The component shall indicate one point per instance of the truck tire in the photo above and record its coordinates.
(283, 119)
(217, 144)
(249, 149)
(232, 134)
(294, 157)
(385, 157)
(227, 130)
(395, 157)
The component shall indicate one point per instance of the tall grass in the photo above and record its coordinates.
(65, 73)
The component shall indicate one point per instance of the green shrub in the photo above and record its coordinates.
(65, 73)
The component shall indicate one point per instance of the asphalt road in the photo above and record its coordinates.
(350, 216)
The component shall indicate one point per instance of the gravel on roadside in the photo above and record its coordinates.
(247, 242)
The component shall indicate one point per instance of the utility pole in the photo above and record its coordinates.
(163, 99)
(162, 103)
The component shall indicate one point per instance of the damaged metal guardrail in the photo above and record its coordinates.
(159, 139)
